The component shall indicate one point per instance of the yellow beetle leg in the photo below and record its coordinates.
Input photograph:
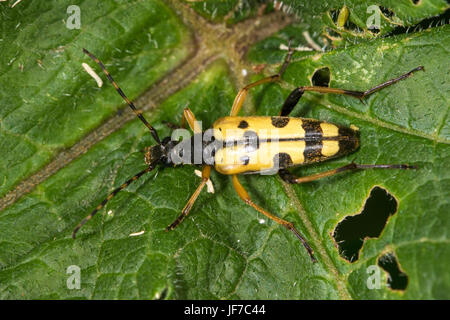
(288, 177)
(189, 117)
(239, 100)
(206, 171)
(288, 225)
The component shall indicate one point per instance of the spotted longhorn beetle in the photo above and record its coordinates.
(298, 141)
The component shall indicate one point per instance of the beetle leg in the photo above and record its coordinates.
(239, 100)
(291, 101)
(288, 225)
(240, 97)
(297, 93)
(289, 177)
(189, 117)
(206, 171)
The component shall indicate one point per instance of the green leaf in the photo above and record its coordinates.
(224, 249)
(45, 105)
(406, 123)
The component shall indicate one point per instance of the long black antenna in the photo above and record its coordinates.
(111, 195)
(136, 111)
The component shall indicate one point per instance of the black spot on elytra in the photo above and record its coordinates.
(243, 124)
(397, 279)
(313, 140)
(313, 151)
(280, 122)
(312, 128)
(351, 232)
(348, 141)
(282, 160)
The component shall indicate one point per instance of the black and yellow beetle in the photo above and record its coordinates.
(249, 145)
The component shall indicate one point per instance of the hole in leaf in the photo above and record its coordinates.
(388, 13)
(397, 279)
(321, 77)
(353, 27)
(334, 15)
(416, 2)
(350, 233)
